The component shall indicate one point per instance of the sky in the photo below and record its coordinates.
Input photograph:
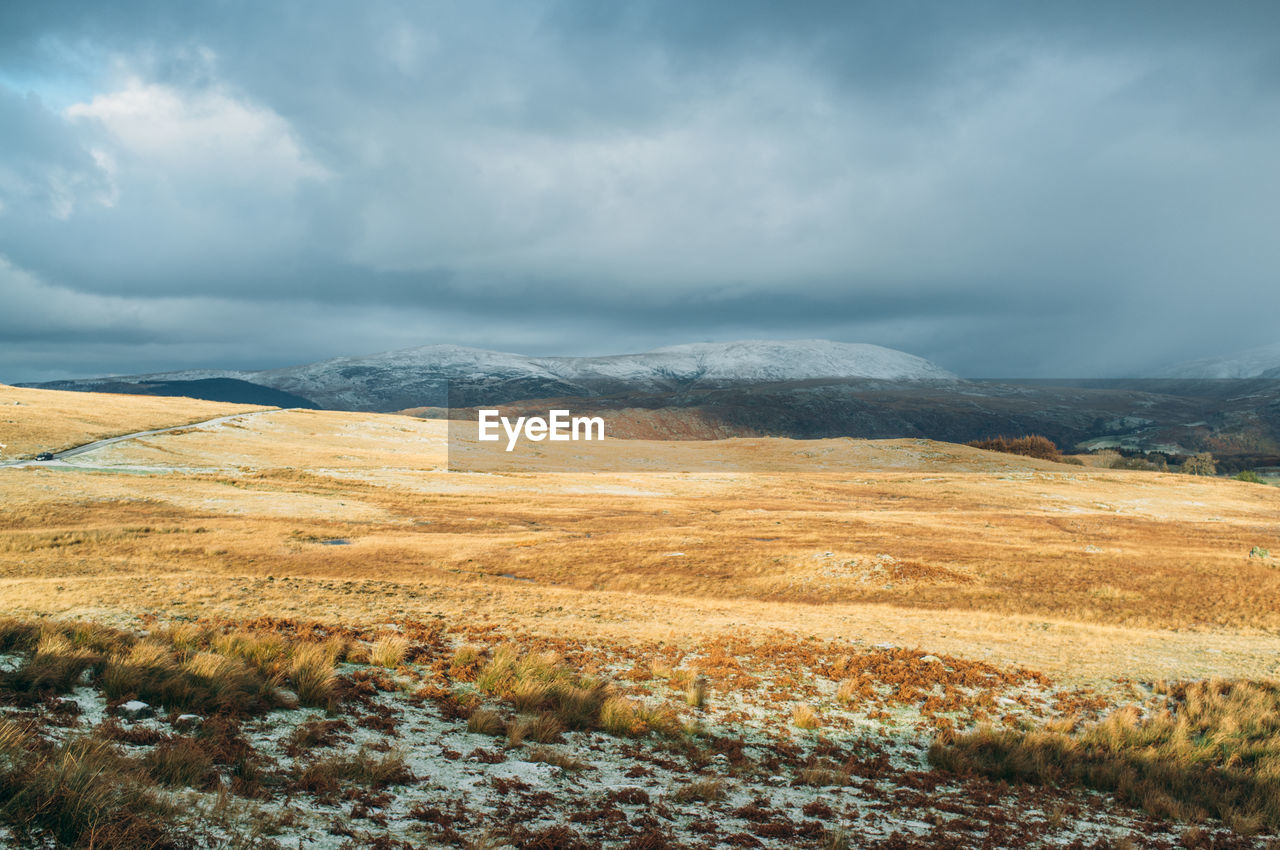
(1008, 189)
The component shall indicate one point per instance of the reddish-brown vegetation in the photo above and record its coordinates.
(1032, 445)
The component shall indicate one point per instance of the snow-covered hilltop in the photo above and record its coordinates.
(753, 360)
(422, 376)
(1261, 362)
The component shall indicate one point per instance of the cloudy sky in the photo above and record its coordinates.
(1009, 189)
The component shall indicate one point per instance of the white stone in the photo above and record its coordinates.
(135, 709)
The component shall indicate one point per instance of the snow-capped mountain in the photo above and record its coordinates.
(417, 377)
(752, 361)
(1261, 362)
(413, 377)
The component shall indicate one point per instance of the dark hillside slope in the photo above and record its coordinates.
(1241, 420)
(210, 389)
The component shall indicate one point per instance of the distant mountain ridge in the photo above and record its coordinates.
(798, 388)
(443, 374)
(1262, 362)
(231, 390)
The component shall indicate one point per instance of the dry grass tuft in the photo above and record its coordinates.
(389, 651)
(529, 695)
(205, 682)
(660, 718)
(822, 776)
(543, 728)
(552, 756)
(683, 679)
(836, 839)
(485, 721)
(537, 683)
(56, 664)
(184, 637)
(181, 763)
(853, 691)
(59, 655)
(618, 717)
(263, 651)
(516, 730)
(706, 790)
(230, 682)
(18, 635)
(624, 716)
(80, 793)
(327, 775)
(695, 694)
(803, 716)
(13, 739)
(465, 663)
(311, 671)
(1213, 752)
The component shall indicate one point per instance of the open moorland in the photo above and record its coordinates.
(32, 421)
(296, 627)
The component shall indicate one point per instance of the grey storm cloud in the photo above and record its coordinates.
(1008, 189)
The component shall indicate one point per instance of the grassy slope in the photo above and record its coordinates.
(1085, 574)
(33, 421)
(900, 540)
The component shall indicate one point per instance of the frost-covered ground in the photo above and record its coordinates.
(796, 745)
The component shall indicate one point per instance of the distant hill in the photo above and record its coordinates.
(796, 388)
(1261, 362)
(435, 375)
(1234, 419)
(210, 389)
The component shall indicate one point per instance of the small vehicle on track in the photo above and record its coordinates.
(45, 456)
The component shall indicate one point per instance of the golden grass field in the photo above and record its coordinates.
(830, 643)
(33, 421)
(1088, 574)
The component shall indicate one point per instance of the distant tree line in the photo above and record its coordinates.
(1037, 446)
(1032, 445)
